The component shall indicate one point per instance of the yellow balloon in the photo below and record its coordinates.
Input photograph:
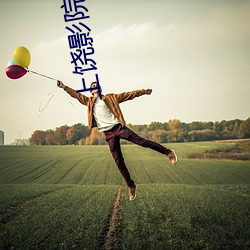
(22, 56)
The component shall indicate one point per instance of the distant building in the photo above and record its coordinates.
(1, 138)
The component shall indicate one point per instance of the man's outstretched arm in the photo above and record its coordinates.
(80, 97)
(132, 94)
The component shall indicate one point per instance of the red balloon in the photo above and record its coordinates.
(15, 71)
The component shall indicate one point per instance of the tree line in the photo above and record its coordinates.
(172, 131)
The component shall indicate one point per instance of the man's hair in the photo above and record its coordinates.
(92, 84)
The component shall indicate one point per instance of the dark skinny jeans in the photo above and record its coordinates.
(113, 137)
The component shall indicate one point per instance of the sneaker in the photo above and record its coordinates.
(132, 193)
(172, 157)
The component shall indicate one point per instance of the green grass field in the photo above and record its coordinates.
(62, 197)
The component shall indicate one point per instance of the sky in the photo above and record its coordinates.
(194, 54)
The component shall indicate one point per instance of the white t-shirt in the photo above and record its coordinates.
(105, 119)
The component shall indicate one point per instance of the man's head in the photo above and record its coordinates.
(94, 85)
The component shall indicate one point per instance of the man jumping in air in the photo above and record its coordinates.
(105, 114)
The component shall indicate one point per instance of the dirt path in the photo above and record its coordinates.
(111, 235)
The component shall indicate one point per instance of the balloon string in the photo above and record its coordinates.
(71, 103)
(51, 78)
(50, 96)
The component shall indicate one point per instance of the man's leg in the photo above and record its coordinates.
(115, 149)
(129, 135)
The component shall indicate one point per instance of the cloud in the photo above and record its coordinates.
(52, 51)
(123, 33)
(123, 41)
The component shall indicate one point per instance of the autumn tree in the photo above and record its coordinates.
(38, 138)
(77, 134)
(159, 135)
(175, 133)
(50, 137)
(60, 133)
(95, 138)
(244, 129)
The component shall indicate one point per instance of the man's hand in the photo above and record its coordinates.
(60, 84)
(148, 91)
